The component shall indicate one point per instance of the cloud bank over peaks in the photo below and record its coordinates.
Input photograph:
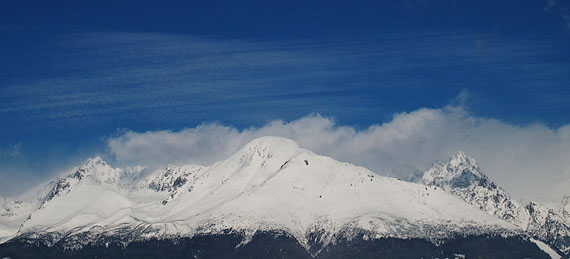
(529, 161)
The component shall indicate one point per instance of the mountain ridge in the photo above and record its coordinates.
(271, 185)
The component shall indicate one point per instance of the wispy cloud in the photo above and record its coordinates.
(530, 161)
(95, 78)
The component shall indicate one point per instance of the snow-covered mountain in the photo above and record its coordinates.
(461, 176)
(271, 190)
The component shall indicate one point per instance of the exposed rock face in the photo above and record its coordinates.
(175, 180)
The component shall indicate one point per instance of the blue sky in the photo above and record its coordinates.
(76, 73)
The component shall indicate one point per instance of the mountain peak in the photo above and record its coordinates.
(265, 149)
(271, 143)
(98, 169)
(461, 171)
(461, 159)
(93, 162)
(94, 168)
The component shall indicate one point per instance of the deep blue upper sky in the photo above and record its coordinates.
(73, 73)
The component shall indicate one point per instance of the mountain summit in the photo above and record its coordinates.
(460, 172)
(461, 176)
(271, 194)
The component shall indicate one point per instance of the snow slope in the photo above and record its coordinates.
(270, 184)
(461, 176)
(544, 247)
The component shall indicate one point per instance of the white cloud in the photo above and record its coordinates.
(532, 162)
